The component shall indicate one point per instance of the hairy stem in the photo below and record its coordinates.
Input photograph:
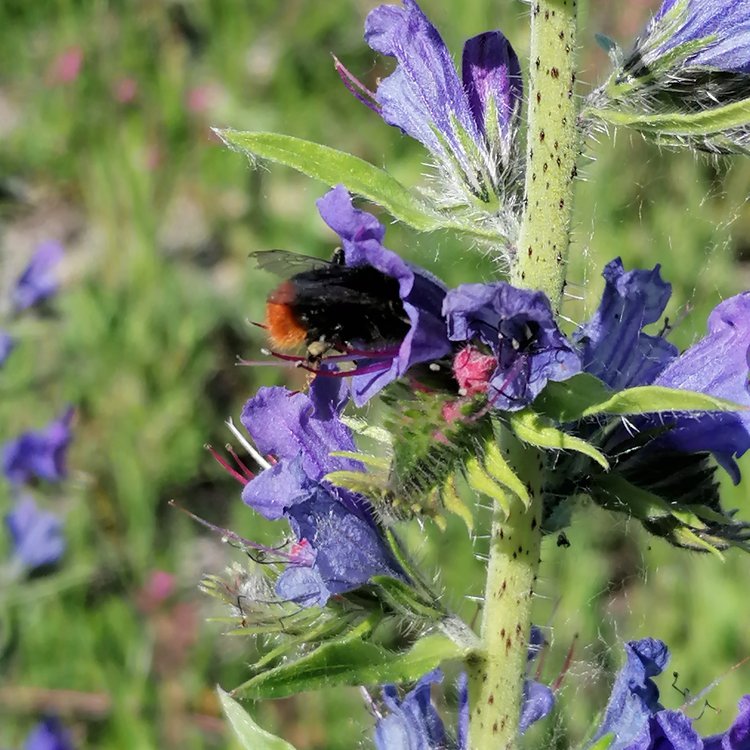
(496, 679)
(552, 150)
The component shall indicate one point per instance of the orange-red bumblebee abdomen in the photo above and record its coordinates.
(284, 328)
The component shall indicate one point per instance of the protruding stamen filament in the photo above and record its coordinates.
(225, 464)
(356, 87)
(249, 474)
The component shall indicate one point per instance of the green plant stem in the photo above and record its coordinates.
(496, 678)
(552, 150)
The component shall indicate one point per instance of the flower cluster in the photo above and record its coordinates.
(484, 391)
(634, 718)
(685, 80)
(36, 534)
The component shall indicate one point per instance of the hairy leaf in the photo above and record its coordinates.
(586, 396)
(534, 429)
(247, 732)
(352, 662)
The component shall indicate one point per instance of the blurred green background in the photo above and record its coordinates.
(105, 144)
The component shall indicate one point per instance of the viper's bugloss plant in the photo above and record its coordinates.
(483, 392)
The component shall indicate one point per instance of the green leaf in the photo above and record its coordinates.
(568, 400)
(334, 167)
(687, 538)
(249, 734)
(604, 743)
(532, 428)
(643, 504)
(328, 629)
(480, 481)
(352, 662)
(403, 598)
(706, 122)
(586, 396)
(655, 399)
(498, 468)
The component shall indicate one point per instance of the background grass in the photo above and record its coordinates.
(157, 219)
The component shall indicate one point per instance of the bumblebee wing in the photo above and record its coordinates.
(286, 264)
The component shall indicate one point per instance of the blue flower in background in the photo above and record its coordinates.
(38, 281)
(468, 124)
(39, 455)
(49, 734)
(7, 344)
(339, 544)
(519, 328)
(36, 534)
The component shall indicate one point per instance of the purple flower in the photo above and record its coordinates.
(518, 327)
(615, 349)
(38, 282)
(36, 534)
(339, 545)
(667, 730)
(716, 365)
(7, 344)
(413, 723)
(49, 734)
(723, 26)
(635, 696)
(421, 295)
(737, 737)
(468, 125)
(39, 454)
(613, 345)
(637, 721)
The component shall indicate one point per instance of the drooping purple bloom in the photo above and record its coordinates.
(613, 345)
(637, 721)
(413, 723)
(339, 545)
(469, 125)
(7, 344)
(39, 455)
(421, 295)
(36, 534)
(615, 349)
(518, 326)
(635, 696)
(38, 281)
(724, 25)
(49, 734)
